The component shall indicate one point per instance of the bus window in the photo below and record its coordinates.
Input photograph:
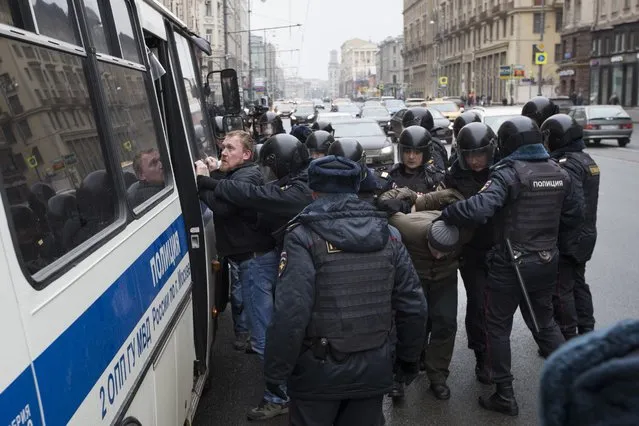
(56, 18)
(135, 137)
(128, 43)
(53, 168)
(194, 108)
(96, 21)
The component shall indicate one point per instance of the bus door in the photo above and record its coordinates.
(179, 104)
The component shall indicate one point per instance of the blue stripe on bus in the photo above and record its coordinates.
(68, 369)
(19, 401)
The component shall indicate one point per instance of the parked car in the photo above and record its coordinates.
(411, 102)
(377, 113)
(449, 109)
(603, 122)
(564, 103)
(378, 147)
(303, 114)
(371, 103)
(393, 105)
(352, 109)
(495, 116)
(457, 101)
(284, 109)
(445, 134)
(333, 117)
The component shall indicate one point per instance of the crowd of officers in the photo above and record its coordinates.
(348, 275)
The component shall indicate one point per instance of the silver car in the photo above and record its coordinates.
(378, 147)
(603, 122)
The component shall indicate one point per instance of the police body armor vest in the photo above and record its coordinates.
(353, 292)
(427, 180)
(532, 220)
(590, 187)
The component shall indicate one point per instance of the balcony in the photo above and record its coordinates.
(483, 15)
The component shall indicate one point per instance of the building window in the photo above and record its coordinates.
(559, 20)
(537, 22)
(512, 24)
(209, 9)
(573, 50)
(558, 52)
(538, 2)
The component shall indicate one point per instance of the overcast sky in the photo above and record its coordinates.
(326, 24)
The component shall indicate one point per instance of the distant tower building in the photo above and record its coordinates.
(333, 75)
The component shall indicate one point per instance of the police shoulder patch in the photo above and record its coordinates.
(385, 175)
(282, 264)
(331, 248)
(594, 170)
(285, 187)
(563, 160)
(486, 185)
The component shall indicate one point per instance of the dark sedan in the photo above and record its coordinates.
(377, 113)
(445, 132)
(378, 147)
(303, 114)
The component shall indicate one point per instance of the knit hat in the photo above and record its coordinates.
(333, 174)
(593, 379)
(443, 237)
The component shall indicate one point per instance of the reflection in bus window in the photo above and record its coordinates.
(204, 147)
(121, 14)
(97, 26)
(52, 165)
(133, 130)
(56, 19)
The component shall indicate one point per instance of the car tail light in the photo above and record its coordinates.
(591, 127)
(626, 126)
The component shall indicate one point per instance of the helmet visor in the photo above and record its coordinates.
(476, 159)
(266, 129)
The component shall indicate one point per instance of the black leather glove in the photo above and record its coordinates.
(406, 372)
(276, 390)
(206, 182)
(394, 205)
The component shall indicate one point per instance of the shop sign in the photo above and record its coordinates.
(594, 62)
(566, 73)
(618, 58)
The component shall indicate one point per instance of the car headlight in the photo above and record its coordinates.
(293, 117)
(387, 150)
(310, 117)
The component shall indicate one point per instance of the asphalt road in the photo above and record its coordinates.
(237, 382)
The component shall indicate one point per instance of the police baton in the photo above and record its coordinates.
(522, 285)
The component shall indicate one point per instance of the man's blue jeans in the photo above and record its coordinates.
(240, 320)
(258, 277)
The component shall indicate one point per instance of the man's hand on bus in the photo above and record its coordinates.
(201, 169)
(212, 163)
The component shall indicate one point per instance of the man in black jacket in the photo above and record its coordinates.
(248, 247)
(343, 274)
(573, 302)
(529, 196)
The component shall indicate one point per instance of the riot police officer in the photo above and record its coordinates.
(318, 143)
(539, 109)
(573, 304)
(373, 182)
(269, 124)
(476, 143)
(420, 116)
(323, 125)
(329, 338)
(527, 193)
(301, 132)
(464, 118)
(416, 170)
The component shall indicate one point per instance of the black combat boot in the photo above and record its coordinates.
(503, 400)
(397, 391)
(481, 371)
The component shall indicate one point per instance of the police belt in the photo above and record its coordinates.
(321, 348)
(243, 257)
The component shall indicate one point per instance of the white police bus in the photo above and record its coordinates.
(107, 300)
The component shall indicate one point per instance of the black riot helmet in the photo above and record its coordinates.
(323, 125)
(415, 138)
(560, 130)
(318, 142)
(270, 124)
(284, 154)
(350, 148)
(476, 147)
(539, 109)
(515, 132)
(418, 116)
(464, 118)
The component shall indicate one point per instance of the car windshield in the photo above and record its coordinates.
(445, 107)
(495, 121)
(348, 108)
(436, 114)
(606, 112)
(394, 103)
(374, 112)
(285, 107)
(305, 110)
(354, 130)
(332, 117)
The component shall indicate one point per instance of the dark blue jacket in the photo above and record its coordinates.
(503, 187)
(354, 226)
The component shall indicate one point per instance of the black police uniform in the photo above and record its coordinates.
(528, 195)
(344, 278)
(539, 109)
(573, 303)
(464, 118)
(420, 116)
(425, 178)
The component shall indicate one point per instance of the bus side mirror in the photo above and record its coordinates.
(231, 92)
